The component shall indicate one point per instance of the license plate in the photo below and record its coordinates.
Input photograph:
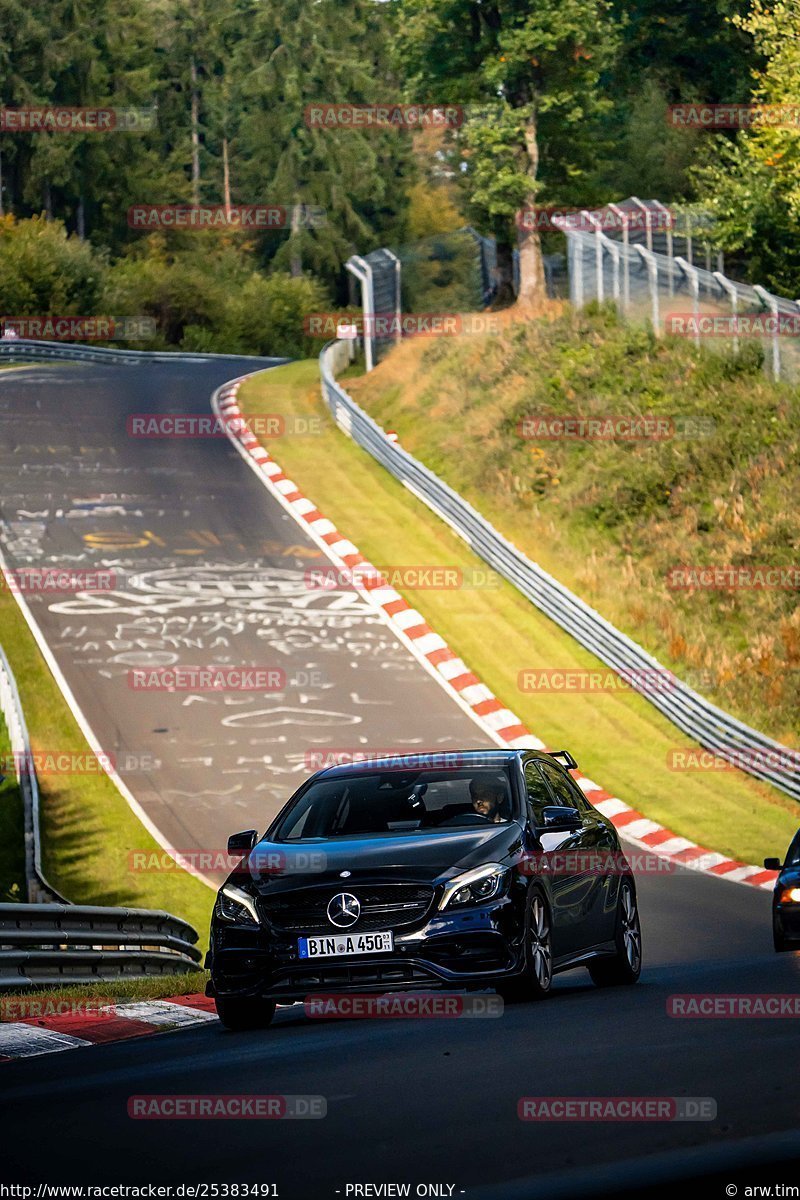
(332, 946)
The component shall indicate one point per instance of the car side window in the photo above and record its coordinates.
(562, 791)
(537, 793)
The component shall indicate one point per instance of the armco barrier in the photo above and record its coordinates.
(697, 717)
(71, 943)
(38, 887)
(22, 350)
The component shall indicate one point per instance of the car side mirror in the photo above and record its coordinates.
(773, 864)
(557, 819)
(242, 843)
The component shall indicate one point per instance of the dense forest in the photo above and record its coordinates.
(557, 103)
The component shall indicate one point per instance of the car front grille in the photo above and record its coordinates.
(383, 906)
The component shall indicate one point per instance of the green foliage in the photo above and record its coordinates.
(43, 271)
(752, 185)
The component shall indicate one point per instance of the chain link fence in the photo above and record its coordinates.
(659, 265)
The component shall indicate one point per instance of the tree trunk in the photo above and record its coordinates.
(2, 210)
(48, 201)
(195, 137)
(531, 268)
(295, 261)
(226, 179)
(81, 219)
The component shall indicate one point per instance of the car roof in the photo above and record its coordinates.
(433, 760)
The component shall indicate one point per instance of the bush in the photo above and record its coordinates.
(46, 272)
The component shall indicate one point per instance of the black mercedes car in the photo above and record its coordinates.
(458, 870)
(786, 898)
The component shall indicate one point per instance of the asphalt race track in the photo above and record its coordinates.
(207, 569)
(436, 1100)
(408, 1101)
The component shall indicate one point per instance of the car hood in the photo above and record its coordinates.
(419, 857)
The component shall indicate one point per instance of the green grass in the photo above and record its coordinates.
(610, 518)
(619, 740)
(87, 827)
(116, 991)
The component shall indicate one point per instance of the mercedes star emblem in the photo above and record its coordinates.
(343, 910)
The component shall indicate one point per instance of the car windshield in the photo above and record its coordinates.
(390, 802)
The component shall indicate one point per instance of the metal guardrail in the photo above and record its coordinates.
(71, 943)
(709, 726)
(38, 887)
(28, 350)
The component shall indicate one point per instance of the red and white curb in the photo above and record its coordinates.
(33, 1036)
(431, 650)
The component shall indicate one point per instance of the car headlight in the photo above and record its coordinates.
(235, 905)
(790, 895)
(475, 886)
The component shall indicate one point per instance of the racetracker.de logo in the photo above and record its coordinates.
(578, 679)
(617, 1108)
(730, 758)
(433, 1005)
(207, 679)
(56, 580)
(546, 217)
(62, 119)
(79, 329)
(227, 1108)
(743, 325)
(729, 1005)
(733, 116)
(395, 325)
(226, 216)
(194, 425)
(609, 427)
(744, 576)
(384, 116)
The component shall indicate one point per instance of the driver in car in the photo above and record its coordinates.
(488, 796)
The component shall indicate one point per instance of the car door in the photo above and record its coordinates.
(567, 895)
(591, 896)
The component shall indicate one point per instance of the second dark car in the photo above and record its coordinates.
(468, 870)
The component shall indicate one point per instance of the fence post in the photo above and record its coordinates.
(626, 279)
(668, 234)
(598, 254)
(647, 226)
(652, 273)
(692, 275)
(397, 302)
(733, 296)
(363, 273)
(771, 303)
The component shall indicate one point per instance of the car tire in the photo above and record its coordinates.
(536, 980)
(244, 1012)
(780, 941)
(625, 966)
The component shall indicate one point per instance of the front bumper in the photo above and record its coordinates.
(460, 949)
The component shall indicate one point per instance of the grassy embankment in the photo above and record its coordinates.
(619, 739)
